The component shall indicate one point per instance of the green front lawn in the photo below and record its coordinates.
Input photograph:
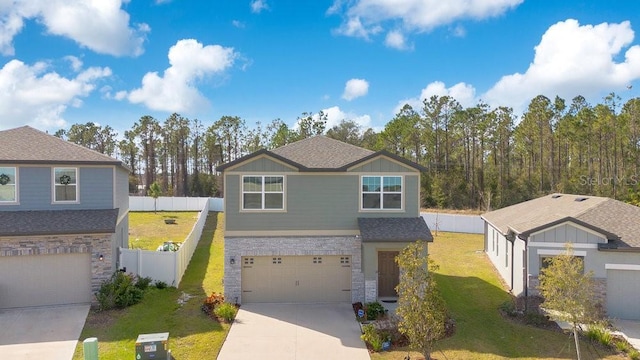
(147, 230)
(473, 293)
(192, 335)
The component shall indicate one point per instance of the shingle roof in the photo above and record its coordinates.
(320, 153)
(398, 229)
(28, 145)
(618, 220)
(54, 222)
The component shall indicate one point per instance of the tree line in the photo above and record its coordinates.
(476, 157)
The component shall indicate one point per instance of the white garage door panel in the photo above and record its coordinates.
(41, 280)
(298, 279)
(623, 292)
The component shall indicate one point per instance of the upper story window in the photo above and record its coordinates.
(8, 189)
(65, 183)
(262, 192)
(382, 192)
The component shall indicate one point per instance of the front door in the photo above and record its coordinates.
(388, 273)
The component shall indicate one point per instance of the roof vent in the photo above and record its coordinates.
(555, 196)
(581, 199)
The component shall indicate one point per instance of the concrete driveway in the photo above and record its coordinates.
(294, 331)
(41, 333)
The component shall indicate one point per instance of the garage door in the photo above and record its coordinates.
(623, 292)
(296, 279)
(41, 280)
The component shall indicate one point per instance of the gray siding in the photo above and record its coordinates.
(313, 202)
(384, 166)
(35, 189)
(122, 190)
(263, 164)
(567, 233)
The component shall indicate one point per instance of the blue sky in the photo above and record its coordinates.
(113, 61)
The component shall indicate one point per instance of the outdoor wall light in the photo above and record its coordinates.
(232, 261)
(100, 257)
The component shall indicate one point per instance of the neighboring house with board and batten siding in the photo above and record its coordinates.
(318, 220)
(63, 215)
(603, 232)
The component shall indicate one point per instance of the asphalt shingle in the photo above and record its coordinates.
(28, 145)
(54, 222)
(399, 229)
(611, 216)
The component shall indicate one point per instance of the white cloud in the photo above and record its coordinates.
(76, 64)
(461, 92)
(175, 90)
(258, 5)
(355, 88)
(237, 23)
(100, 25)
(37, 96)
(572, 60)
(365, 17)
(396, 39)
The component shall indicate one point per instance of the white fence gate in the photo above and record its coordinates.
(167, 266)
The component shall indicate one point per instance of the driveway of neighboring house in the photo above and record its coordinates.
(630, 330)
(294, 331)
(41, 333)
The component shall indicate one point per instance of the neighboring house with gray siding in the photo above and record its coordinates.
(604, 232)
(63, 215)
(318, 220)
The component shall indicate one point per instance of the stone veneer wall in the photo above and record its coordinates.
(95, 244)
(237, 247)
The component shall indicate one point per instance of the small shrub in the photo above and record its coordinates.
(622, 346)
(374, 310)
(142, 283)
(160, 284)
(535, 319)
(634, 355)
(599, 333)
(509, 308)
(373, 337)
(226, 311)
(119, 292)
(211, 302)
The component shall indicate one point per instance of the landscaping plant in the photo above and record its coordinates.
(568, 291)
(421, 308)
(226, 311)
(120, 291)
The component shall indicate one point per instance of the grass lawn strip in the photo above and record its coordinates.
(147, 230)
(192, 335)
(473, 293)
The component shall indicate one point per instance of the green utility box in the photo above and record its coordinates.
(153, 347)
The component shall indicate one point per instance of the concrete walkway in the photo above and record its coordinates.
(630, 330)
(41, 333)
(294, 331)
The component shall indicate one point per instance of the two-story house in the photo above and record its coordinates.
(318, 220)
(63, 215)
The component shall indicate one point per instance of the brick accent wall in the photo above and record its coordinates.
(236, 247)
(95, 244)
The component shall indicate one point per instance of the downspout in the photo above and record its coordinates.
(512, 263)
(525, 278)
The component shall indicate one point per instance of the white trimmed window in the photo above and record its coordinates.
(8, 187)
(262, 192)
(65, 184)
(381, 193)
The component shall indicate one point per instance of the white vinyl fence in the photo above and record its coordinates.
(167, 266)
(166, 203)
(472, 224)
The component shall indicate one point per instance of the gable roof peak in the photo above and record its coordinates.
(28, 145)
